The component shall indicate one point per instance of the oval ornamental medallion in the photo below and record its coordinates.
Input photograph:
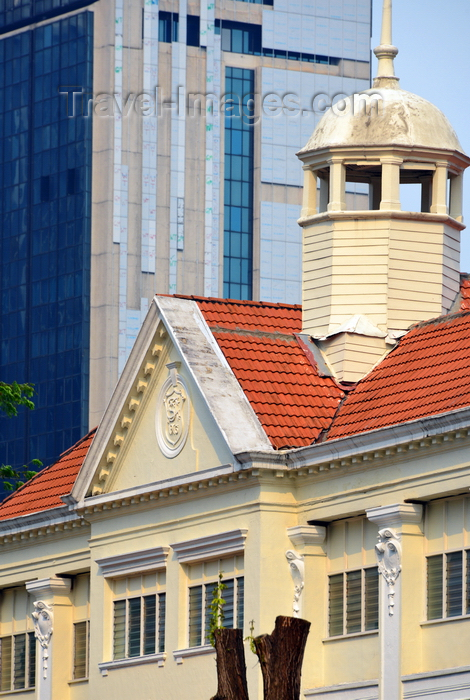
(173, 411)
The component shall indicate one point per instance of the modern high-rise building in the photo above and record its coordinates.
(149, 148)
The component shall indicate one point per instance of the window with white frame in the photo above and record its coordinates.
(353, 580)
(17, 640)
(81, 625)
(448, 585)
(17, 661)
(353, 602)
(139, 615)
(447, 558)
(203, 578)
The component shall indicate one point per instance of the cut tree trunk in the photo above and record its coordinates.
(231, 668)
(280, 655)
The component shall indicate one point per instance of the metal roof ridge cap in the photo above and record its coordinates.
(244, 404)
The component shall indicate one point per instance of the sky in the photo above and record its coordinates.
(433, 37)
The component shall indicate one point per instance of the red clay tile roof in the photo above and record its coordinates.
(250, 315)
(426, 374)
(43, 491)
(292, 401)
(465, 292)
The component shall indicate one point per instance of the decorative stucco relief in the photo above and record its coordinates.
(297, 570)
(173, 413)
(42, 620)
(388, 553)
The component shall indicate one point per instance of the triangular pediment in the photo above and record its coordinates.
(177, 409)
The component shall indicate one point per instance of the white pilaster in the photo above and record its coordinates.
(390, 520)
(45, 590)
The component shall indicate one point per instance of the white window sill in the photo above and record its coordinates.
(369, 633)
(440, 620)
(106, 666)
(181, 654)
(77, 681)
(15, 692)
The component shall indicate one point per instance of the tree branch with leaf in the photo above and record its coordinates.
(12, 396)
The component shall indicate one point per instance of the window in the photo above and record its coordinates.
(192, 30)
(168, 26)
(238, 184)
(239, 37)
(81, 645)
(448, 579)
(139, 626)
(353, 602)
(17, 661)
(200, 598)
(305, 57)
(139, 615)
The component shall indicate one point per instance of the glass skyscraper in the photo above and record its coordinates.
(124, 175)
(46, 232)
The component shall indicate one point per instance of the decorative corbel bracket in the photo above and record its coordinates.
(42, 620)
(297, 570)
(388, 553)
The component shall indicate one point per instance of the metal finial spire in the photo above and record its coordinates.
(386, 52)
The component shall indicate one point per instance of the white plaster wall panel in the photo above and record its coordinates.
(280, 253)
(149, 139)
(118, 28)
(285, 133)
(178, 145)
(298, 30)
(212, 174)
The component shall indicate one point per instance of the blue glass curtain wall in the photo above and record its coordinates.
(238, 184)
(45, 185)
(20, 13)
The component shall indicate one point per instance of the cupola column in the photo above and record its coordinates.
(309, 203)
(439, 189)
(456, 197)
(391, 183)
(337, 185)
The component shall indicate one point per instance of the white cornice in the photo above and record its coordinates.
(45, 522)
(134, 562)
(369, 446)
(305, 535)
(222, 544)
(49, 587)
(395, 515)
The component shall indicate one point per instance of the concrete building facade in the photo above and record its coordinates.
(149, 147)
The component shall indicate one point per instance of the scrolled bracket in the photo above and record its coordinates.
(43, 620)
(388, 553)
(297, 570)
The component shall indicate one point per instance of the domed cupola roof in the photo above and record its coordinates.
(398, 118)
(386, 115)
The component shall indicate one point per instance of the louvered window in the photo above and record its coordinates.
(448, 585)
(200, 599)
(17, 662)
(81, 644)
(139, 626)
(353, 602)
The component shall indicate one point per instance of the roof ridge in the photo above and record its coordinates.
(244, 302)
(444, 318)
(274, 335)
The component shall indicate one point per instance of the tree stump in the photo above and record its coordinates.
(231, 667)
(280, 655)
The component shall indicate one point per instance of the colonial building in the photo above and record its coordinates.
(316, 457)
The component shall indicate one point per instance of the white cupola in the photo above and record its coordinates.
(387, 267)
